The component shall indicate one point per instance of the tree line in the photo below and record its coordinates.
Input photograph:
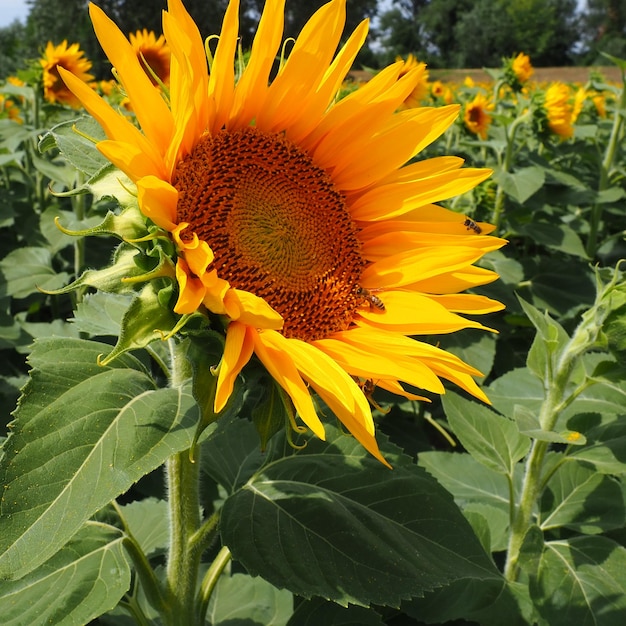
(442, 33)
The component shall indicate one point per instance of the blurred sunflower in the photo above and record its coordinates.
(152, 52)
(70, 58)
(522, 68)
(293, 214)
(477, 116)
(558, 110)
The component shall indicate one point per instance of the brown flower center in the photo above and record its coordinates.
(277, 226)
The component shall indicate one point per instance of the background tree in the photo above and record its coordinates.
(604, 30)
(13, 48)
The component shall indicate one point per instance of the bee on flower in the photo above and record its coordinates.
(297, 219)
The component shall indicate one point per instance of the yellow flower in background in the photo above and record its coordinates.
(154, 52)
(579, 102)
(10, 110)
(522, 68)
(559, 110)
(419, 94)
(599, 101)
(70, 58)
(477, 117)
(294, 215)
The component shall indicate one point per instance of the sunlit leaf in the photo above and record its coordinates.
(83, 434)
(84, 579)
(243, 599)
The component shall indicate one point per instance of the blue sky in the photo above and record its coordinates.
(11, 10)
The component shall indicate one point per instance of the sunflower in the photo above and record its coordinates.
(558, 110)
(522, 68)
(294, 215)
(477, 117)
(70, 58)
(154, 53)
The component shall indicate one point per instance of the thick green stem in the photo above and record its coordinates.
(605, 171)
(183, 560)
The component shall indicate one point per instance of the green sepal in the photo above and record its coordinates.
(128, 225)
(145, 321)
(129, 266)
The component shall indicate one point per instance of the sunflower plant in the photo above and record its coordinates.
(272, 390)
(279, 252)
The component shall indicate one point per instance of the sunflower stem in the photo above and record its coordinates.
(605, 170)
(183, 482)
(210, 580)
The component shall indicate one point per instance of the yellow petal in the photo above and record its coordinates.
(389, 201)
(412, 313)
(252, 87)
(282, 369)
(158, 200)
(409, 267)
(192, 290)
(252, 310)
(222, 78)
(132, 159)
(468, 303)
(359, 359)
(238, 349)
(152, 113)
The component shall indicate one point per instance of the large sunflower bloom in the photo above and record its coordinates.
(293, 215)
(153, 52)
(70, 58)
(477, 116)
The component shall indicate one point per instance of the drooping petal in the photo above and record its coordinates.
(282, 368)
(191, 289)
(238, 349)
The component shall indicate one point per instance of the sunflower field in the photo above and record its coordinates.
(286, 344)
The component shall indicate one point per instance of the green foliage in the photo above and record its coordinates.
(511, 513)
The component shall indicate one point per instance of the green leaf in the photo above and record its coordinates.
(332, 521)
(241, 599)
(528, 424)
(516, 387)
(581, 581)
(101, 313)
(76, 139)
(556, 236)
(232, 454)
(27, 269)
(83, 434)
(467, 480)
(580, 499)
(316, 611)
(606, 449)
(148, 522)
(549, 341)
(485, 602)
(146, 320)
(84, 579)
(522, 183)
(496, 521)
(491, 439)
